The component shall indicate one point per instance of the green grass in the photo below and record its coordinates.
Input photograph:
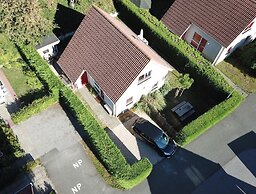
(12, 65)
(17, 79)
(238, 77)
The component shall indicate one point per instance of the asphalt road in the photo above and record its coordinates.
(213, 144)
(222, 161)
(72, 172)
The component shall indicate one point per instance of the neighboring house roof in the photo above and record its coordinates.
(223, 20)
(108, 51)
(146, 4)
(47, 40)
(28, 189)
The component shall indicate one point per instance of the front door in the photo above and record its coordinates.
(84, 78)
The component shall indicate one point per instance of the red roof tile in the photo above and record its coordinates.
(108, 51)
(223, 20)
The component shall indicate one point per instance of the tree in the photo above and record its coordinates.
(23, 21)
(185, 83)
(152, 102)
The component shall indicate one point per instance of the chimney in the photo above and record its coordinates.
(115, 14)
(140, 36)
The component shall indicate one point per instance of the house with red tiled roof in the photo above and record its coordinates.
(214, 28)
(116, 62)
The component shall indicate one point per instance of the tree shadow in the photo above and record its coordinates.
(126, 153)
(67, 20)
(187, 172)
(9, 149)
(234, 60)
(245, 149)
(159, 7)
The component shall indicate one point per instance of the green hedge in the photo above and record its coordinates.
(175, 50)
(35, 107)
(50, 82)
(41, 67)
(186, 59)
(10, 147)
(126, 175)
(208, 119)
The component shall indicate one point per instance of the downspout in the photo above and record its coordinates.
(185, 31)
(218, 55)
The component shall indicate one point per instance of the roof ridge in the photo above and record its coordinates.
(106, 16)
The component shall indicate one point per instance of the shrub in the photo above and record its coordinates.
(247, 57)
(10, 147)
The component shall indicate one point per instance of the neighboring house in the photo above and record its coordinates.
(214, 27)
(48, 47)
(106, 54)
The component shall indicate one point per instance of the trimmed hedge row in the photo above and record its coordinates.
(186, 59)
(208, 119)
(50, 82)
(126, 175)
(41, 68)
(175, 50)
(35, 107)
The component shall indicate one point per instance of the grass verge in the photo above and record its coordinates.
(238, 77)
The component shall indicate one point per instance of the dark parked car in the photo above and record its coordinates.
(155, 136)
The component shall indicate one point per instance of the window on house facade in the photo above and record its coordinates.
(145, 77)
(96, 87)
(155, 86)
(198, 42)
(129, 101)
(248, 28)
(46, 51)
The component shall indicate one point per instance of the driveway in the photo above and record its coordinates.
(51, 129)
(132, 148)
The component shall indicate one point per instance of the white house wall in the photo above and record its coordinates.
(136, 91)
(49, 47)
(238, 42)
(212, 47)
(78, 84)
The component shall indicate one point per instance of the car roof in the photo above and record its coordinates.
(149, 129)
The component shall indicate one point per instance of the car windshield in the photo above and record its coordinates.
(162, 141)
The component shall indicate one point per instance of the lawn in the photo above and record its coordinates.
(22, 79)
(18, 81)
(233, 71)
